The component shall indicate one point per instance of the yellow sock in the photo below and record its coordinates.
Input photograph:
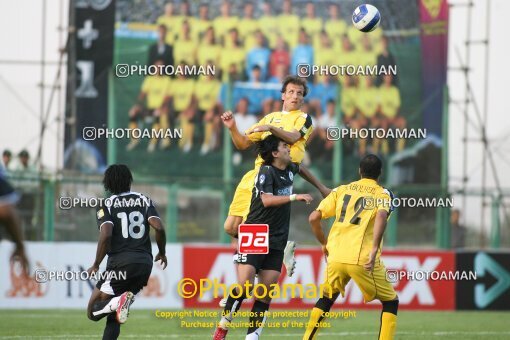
(362, 147)
(163, 124)
(191, 132)
(208, 131)
(375, 145)
(155, 126)
(401, 144)
(132, 126)
(388, 326)
(184, 127)
(312, 328)
(385, 148)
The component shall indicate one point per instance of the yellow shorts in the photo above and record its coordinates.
(240, 205)
(373, 285)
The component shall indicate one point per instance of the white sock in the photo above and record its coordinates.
(110, 307)
(254, 336)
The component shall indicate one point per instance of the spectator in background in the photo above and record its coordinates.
(244, 120)
(386, 58)
(326, 120)
(279, 57)
(151, 106)
(6, 159)
(281, 73)
(232, 53)
(185, 15)
(172, 22)
(321, 93)
(248, 26)
(201, 24)
(367, 104)
(312, 24)
(268, 23)
(366, 55)
(208, 49)
(324, 54)
(348, 95)
(161, 50)
(458, 231)
(258, 56)
(225, 23)
(24, 166)
(184, 107)
(336, 27)
(207, 99)
(389, 113)
(347, 56)
(185, 48)
(302, 53)
(288, 25)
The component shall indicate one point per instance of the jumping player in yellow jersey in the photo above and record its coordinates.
(353, 247)
(293, 127)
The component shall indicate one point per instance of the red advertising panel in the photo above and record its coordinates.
(423, 280)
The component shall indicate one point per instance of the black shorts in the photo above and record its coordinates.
(136, 277)
(271, 261)
(7, 193)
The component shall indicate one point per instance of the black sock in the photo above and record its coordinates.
(232, 305)
(112, 329)
(97, 307)
(257, 317)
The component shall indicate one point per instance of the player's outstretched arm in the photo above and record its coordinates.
(160, 240)
(241, 141)
(315, 222)
(105, 237)
(269, 200)
(379, 226)
(289, 137)
(310, 178)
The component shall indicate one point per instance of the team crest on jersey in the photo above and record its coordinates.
(262, 178)
(291, 175)
(100, 214)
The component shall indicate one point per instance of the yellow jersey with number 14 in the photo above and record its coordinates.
(355, 206)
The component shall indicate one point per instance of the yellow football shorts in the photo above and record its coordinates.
(240, 205)
(373, 285)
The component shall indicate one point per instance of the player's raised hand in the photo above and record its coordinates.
(228, 119)
(305, 198)
(161, 258)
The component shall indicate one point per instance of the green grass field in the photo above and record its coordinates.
(143, 324)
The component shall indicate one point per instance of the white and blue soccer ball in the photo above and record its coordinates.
(366, 18)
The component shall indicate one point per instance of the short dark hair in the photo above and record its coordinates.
(117, 179)
(266, 147)
(296, 81)
(7, 152)
(370, 166)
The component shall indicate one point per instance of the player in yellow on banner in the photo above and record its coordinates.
(292, 126)
(353, 247)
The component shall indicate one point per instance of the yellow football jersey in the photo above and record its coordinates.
(312, 26)
(207, 53)
(207, 93)
(199, 27)
(185, 51)
(390, 100)
(288, 25)
(354, 207)
(173, 26)
(335, 29)
(288, 121)
(368, 101)
(156, 89)
(230, 56)
(348, 96)
(182, 91)
(269, 26)
(223, 25)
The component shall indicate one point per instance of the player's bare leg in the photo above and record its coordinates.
(245, 273)
(261, 306)
(115, 309)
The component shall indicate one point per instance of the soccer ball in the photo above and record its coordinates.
(366, 18)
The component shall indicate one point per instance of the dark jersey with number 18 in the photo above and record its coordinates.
(130, 213)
